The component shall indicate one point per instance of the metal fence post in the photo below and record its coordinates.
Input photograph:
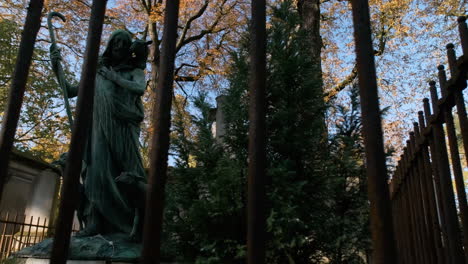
(455, 159)
(18, 85)
(426, 216)
(256, 227)
(83, 118)
(381, 218)
(463, 30)
(434, 221)
(160, 141)
(448, 199)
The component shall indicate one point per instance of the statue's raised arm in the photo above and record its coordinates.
(56, 58)
(68, 90)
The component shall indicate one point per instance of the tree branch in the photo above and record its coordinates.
(145, 6)
(382, 41)
(211, 29)
(187, 26)
(192, 78)
(184, 65)
(338, 88)
(62, 43)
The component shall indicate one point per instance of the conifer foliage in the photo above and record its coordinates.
(317, 208)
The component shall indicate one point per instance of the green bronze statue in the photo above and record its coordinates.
(113, 166)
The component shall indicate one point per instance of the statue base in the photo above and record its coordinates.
(47, 261)
(93, 249)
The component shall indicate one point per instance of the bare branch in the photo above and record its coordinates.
(145, 6)
(183, 90)
(193, 78)
(211, 29)
(84, 3)
(184, 65)
(382, 41)
(64, 44)
(189, 23)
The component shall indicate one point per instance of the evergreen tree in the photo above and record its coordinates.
(205, 208)
(346, 236)
(317, 209)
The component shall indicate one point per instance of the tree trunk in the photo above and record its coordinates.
(309, 11)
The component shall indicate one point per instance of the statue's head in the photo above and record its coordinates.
(139, 52)
(118, 48)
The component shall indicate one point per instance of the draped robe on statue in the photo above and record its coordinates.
(112, 146)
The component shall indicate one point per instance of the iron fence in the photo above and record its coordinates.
(18, 231)
(430, 215)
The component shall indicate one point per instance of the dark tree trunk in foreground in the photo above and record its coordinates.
(154, 212)
(83, 116)
(18, 86)
(383, 241)
(256, 227)
(309, 11)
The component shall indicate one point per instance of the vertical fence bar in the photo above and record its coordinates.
(10, 244)
(419, 239)
(416, 238)
(455, 158)
(23, 226)
(2, 239)
(436, 181)
(256, 226)
(29, 232)
(459, 100)
(18, 85)
(434, 223)
(408, 212)
(45, 227)
(381, 219)
(79, 135)
(462, 28)
(413, 253)
(408, 224)
(397, 214)
(37, 229)
(409, 201)
(403, 254)
(160, 141)
(432, 252)
(404, 215)
(8, 241)
(5, 240)
(416, 201)
(448, 199)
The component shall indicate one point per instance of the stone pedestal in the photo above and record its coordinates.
(99, 249)
(114, 248)
(47, 261)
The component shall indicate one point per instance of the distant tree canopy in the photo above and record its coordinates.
(409, 40)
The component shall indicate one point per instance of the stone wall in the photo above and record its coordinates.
(30, 187)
